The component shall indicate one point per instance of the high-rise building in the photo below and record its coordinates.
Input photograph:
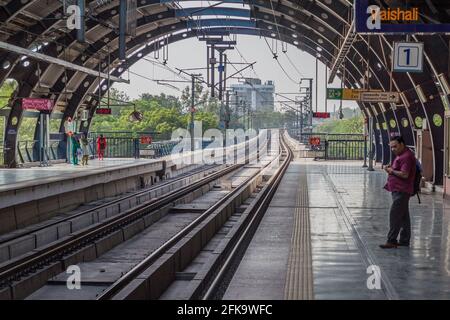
(252, 93)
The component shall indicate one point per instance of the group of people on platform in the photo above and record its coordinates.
(80, 148)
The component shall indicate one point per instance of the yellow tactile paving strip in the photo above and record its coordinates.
(299, 276)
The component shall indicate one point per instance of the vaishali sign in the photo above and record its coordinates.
(402, 16)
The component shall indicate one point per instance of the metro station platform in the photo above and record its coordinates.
(32, 195)
(323, 230)
(13, 178)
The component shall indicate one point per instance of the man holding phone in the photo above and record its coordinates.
(400, 183)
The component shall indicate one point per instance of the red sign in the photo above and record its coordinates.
(103, 111)
(322, 115)
(146, 140)
(37, 104)
(314, 141)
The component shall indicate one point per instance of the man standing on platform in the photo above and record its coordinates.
(400, 183)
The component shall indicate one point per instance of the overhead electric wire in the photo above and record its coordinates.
(287, 75)
(153, 80)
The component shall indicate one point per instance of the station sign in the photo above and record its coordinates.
(343, 94)
(37, 104)
(334, 93)
(408, 57)
(103, 111)
(351, 94)
(404, 16)
(322, 115)
(379, 96)
(362, 95)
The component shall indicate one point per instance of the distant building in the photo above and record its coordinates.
(260, 97)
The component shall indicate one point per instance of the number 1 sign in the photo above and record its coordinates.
(408, 57)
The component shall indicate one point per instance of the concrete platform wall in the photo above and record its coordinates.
(32, 204)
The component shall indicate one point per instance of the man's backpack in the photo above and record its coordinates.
(417, 179)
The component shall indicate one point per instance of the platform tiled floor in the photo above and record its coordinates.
(349, 219)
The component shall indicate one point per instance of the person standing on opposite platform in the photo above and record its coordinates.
(85, 148)
(101, 147)
(75, 147)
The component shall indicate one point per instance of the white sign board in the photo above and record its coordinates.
(377, 96)
(408, 57)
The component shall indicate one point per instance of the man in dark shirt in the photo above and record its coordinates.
(400, 183)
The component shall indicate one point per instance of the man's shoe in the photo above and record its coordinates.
(388, 245)
(403, 244)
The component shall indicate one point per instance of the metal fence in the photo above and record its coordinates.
(1, 154)
(335, 146)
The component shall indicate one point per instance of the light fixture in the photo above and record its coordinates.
(294, 35)
(26, 63)
(273, 34)
(6, 64)
(184, 35)
(319, 49)
(135, 116)
(444, 83)
(296, 42)
(139, 54)
(104, 87)
(404, 99)
(420, 93)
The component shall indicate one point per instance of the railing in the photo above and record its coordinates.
(334, 146)
(1, 154)
(345, 149)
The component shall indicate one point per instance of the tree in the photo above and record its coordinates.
(350, 125)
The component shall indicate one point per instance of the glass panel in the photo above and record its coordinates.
(27, 128)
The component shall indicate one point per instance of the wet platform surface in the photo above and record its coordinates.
(62, 170)
(348, 218)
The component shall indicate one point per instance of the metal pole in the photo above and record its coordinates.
(213, 91)
(191, 125)
(317, 80)
(220, 73)
(41, 140)
(227, 110)
(371, 144)
(365, 152)
(122, 29)
(81, 31)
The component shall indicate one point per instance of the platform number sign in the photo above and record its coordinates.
(408, 57)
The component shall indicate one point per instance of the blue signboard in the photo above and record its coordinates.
(402, 16)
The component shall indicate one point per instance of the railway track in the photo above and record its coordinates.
(154, 276)
(53, 256)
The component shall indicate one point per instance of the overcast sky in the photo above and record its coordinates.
(191, 53)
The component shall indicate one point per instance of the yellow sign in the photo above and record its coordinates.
(351, 94)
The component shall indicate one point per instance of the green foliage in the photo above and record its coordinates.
(6, 90)
(162, 114)
(350, 125)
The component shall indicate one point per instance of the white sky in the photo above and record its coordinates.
(191, 53)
